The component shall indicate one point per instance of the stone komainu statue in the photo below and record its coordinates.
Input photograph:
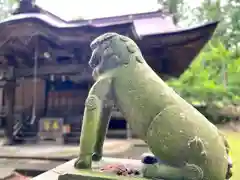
(188, 145)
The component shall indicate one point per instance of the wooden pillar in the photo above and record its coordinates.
(9, 101)
(1, 100)
(8, 86)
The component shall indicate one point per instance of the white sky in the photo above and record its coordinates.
(69, 9)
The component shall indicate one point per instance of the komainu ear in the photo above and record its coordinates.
(103, 38)
(123, 38)
(132, 48)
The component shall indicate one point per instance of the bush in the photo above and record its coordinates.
(213, 80)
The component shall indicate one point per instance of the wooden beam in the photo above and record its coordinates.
(78, 78)
(68, 69)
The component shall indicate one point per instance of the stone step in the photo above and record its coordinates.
(62, 152)
(67, 171)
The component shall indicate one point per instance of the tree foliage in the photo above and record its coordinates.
(6, 6)
(172, 7)
(212, 77)
(212, 83)
(225, 11)
(228, 13)
(214, 74)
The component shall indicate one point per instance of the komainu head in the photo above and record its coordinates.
(112, 50)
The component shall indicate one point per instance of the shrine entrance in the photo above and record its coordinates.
(65, 97)
(65, 100)
(46, 78)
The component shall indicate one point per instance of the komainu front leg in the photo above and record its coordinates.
(93, 131)
(155, 169)
(89, 132)
(102, 130)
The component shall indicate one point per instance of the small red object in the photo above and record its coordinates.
(119, 170)
(17, 176)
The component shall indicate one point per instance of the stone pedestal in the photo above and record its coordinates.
(67, 171)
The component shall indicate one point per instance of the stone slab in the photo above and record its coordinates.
(61, 152)
(95, 176)
(27, 164)
(67, 171)
(6, 173)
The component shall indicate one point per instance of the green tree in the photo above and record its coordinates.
(6, 7)
(172, 6)
(212, 77)
(228, 13)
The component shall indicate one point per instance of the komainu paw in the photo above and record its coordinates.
(82, 164)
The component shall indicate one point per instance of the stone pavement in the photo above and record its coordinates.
(55, 152)
(43, 157)
(6, 172)
(68, 168)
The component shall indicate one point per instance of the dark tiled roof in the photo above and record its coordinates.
(99, 22)
(152, 31)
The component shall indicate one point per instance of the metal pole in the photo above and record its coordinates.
(33, 118)
(129, 133)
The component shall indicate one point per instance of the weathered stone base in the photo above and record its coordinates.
(95, 176)
(67, 171)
